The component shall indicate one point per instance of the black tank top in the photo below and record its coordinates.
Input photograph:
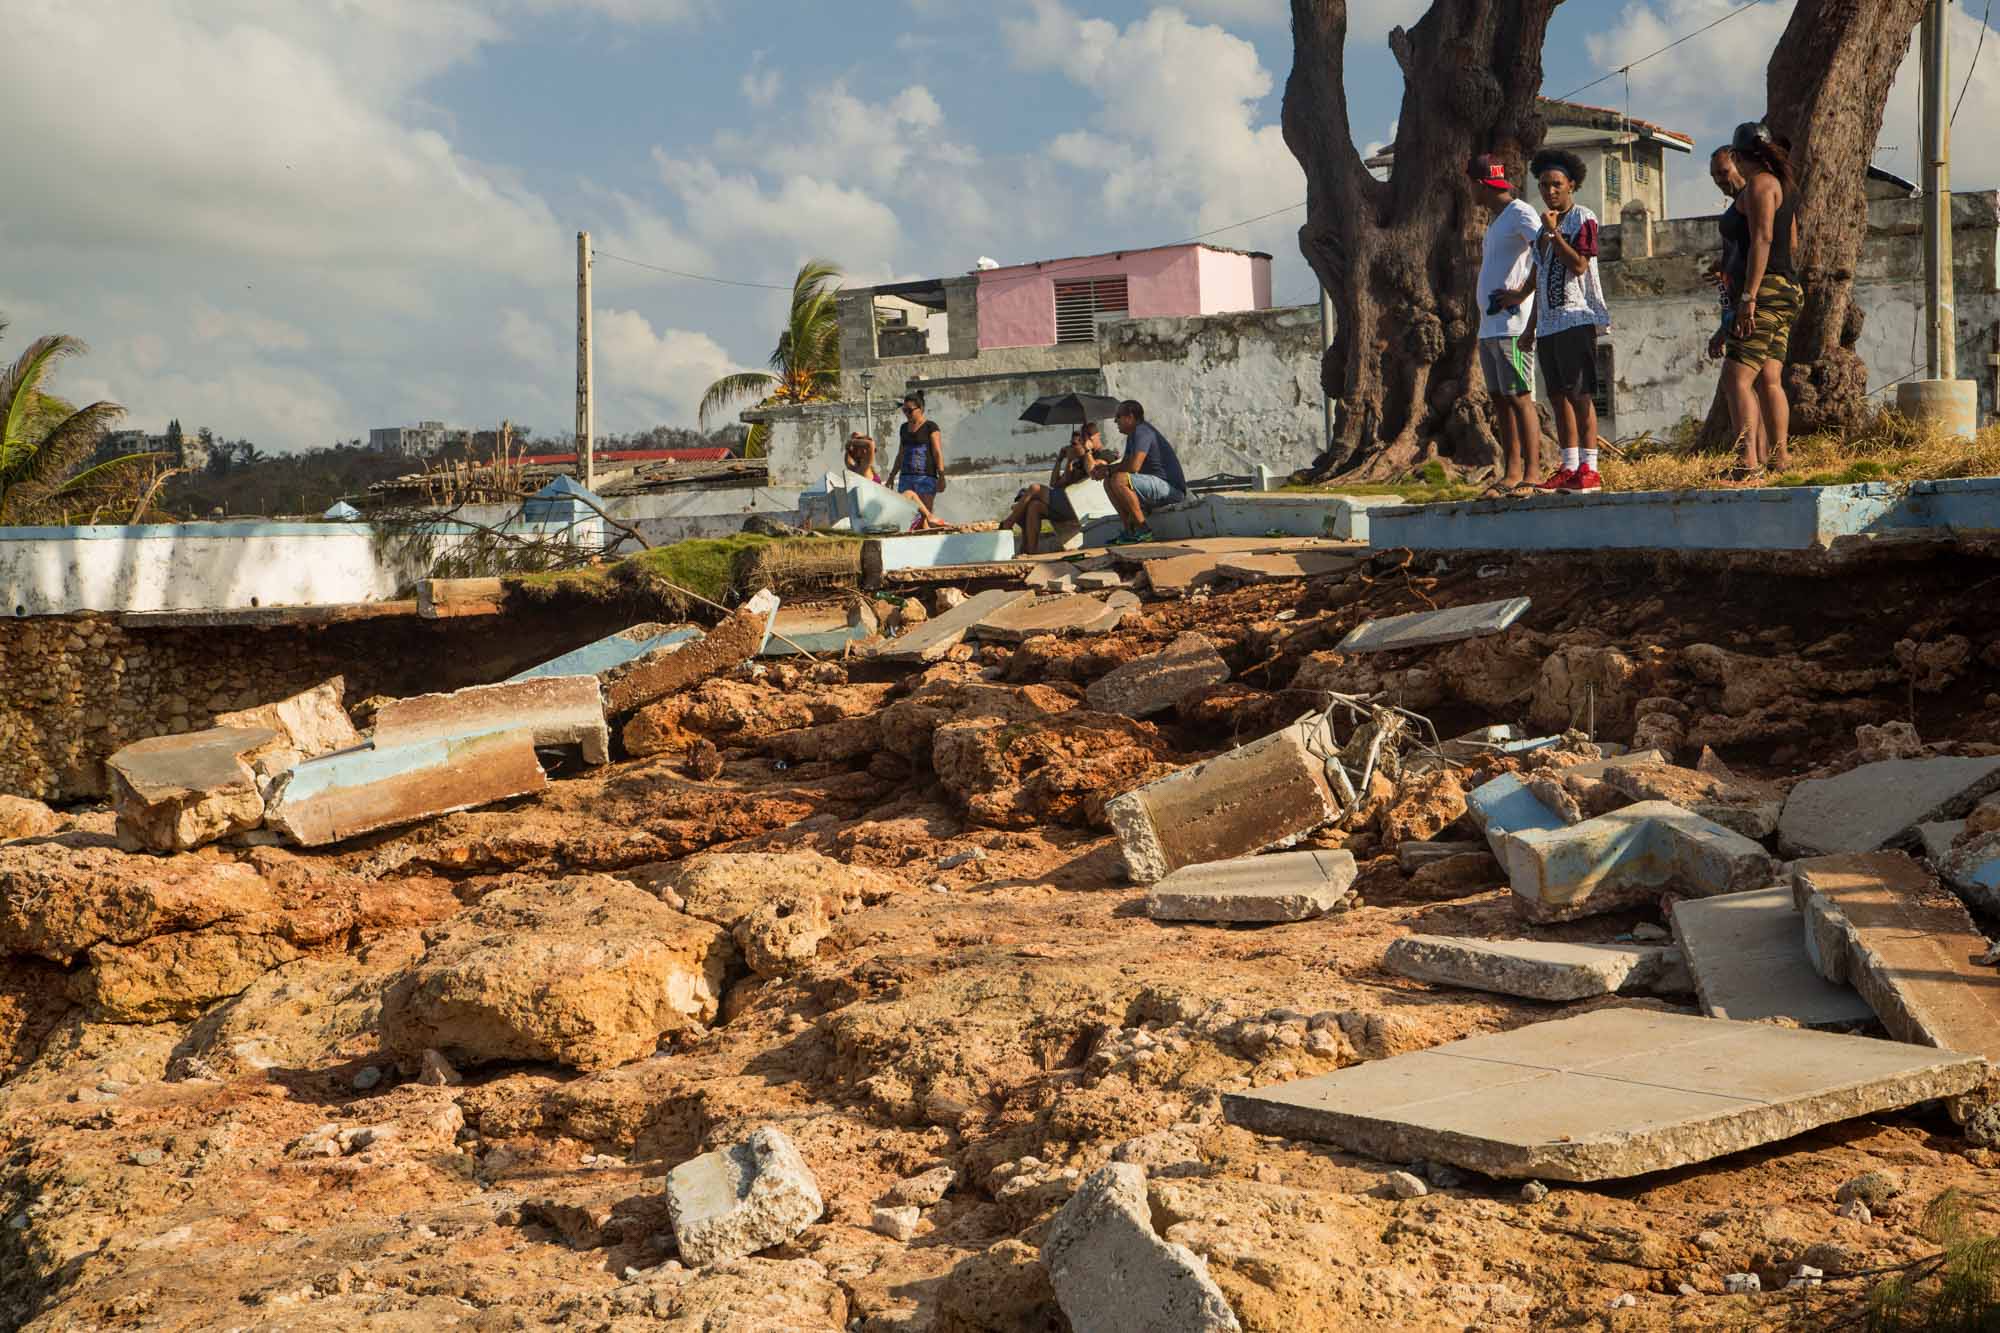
(1736, 240)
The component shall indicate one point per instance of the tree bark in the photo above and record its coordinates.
(1828, 86)
(1401, 257)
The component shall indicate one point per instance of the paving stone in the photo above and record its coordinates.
(1531, 969)
(745, 1198)
(555, 710)
(1289, 565)
(1068, 613)
(1425, 629)
(176, 793)
(360, 791)
(1627, 858)
(1259, 798)
(1603, 1096)
(1153, 684)
(1879, 922)
(1181, 575)
(1113, 1274)
(1877, 805)
(1749, 962)
(936, 637)
(1749, 808)
(1286, 886)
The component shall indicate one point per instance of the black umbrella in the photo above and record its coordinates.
(1070, 409)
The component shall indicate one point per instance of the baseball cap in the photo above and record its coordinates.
(1487, 169)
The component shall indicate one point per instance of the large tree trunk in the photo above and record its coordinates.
(1829, 84)
(1401, 257)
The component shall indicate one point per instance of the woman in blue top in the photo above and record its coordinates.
(919, 460)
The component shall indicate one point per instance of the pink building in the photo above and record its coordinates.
(1060, 300)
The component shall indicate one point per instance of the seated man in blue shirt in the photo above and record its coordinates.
(1148, 477)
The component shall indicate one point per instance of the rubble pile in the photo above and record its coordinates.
(1263, 936)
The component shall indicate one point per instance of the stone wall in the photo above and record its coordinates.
(73, 689)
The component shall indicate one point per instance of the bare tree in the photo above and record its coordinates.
(1401, 257)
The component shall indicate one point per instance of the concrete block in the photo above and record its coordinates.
(1066, 613)
(1347, 515)
(1286, 886)
(345, 795)
(1603, 1096)
(1113, 1274)
(1877, 921)
(176, 793)
(1504, 806)
(1880, 804)
(930, 550)
(936, 637)
(1283, 566)
(1749, 962)
(553, 710)
(1531, 969)
(670, 668)
(1626, 858)
(871, 507)
(1153, 684)
(311, 723)
(1263, 796)
(614, 650)
(748, 1197)
(1425, 629)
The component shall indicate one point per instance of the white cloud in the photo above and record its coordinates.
(629, 11)
(663, 371)
(247, 326)
(531, 341)
(761, 86)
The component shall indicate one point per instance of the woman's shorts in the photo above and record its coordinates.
(1778, 302)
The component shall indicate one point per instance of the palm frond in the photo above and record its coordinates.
(732, 389)
(21, 393)
(42, 472)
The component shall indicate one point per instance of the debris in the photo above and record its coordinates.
(1877, 921)
(446, 599)
(957, 859)
(1751, 809)
(553, 710)
(1506, 805)
(1854, 1210)
(148, 1157)
(1624, 1300)
(613, 650)
(434, 1071)
(176, 793)
(1100, 580)
(1891, 740)
(1070, 613)
(1285, 565)
(925, 1189)
(1414, 856)
(741, 1199)
(1742, 1284)
(948, 598)
(1805, 1276)
(704, 760)
(345, 795)
(1647, 932)
(366, 1077)
(1286, 886)
(1263, 796)
(1179, 576)
(1873, 1188)
(311, 723)
(1627, 858)
(1603, 1096)
(1749, 962)
(21, 817)
(666, 670)
(1113, 1274)
(896, 1223)
(1425, 629)
(1531, 969)
(1534, 1191)
(1456, 876)
(1403, 1185)
(934, 638)
(1973, 867)
(1878, 804)
(1153, 684)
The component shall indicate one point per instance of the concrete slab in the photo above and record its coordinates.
(928, 550)
(613, 650)
(1881, 804)
(1182, 574)
(673, 667)
(1749, 808)
(1425, 629)
(1879, 922)
(1749, 962)
(1628, 858)
(939, 635)
(820, 630)
(1285, 886)
(1294, 565)
(1153, 684)
(1531, 969)
(1603, 1096)
(1937, 837)
(1505, 805)
(360, 791)
(176, 793)
(1261, 797)
(871, 507)
(554, 710)
(1065, 613)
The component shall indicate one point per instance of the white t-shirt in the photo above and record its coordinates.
(1505, 262)
(1570, 300)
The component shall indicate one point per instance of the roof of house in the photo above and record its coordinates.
(1578, 115)
(917, 290)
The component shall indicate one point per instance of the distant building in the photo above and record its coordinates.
(419, 441)
(192, 455)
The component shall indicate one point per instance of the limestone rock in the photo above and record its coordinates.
(1750, 809)
(21, 817)
(1891, 740)
(59, 901)
(311, 723)
(1113, 1274)
(782, 932)
(728, 888)
(745, 1198)
(1156, 683)
(587, 972)
(176, 793)
(175, 976)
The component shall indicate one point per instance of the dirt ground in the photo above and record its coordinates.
(178, 1034)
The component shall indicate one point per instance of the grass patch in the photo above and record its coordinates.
(1956, 1290)
(716, 569)
(1888, 448)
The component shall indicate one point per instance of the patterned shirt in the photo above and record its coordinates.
(1570, 300)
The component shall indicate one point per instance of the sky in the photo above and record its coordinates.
(295, 220)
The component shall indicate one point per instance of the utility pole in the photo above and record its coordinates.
(1942, 398)
(586, 393)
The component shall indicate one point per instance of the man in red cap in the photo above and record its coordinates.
(1507, 326)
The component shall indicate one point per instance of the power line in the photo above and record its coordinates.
(697, 277)
(1974, 67)
(1678, 41)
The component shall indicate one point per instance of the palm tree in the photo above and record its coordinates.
(43, 441)
(805, 366)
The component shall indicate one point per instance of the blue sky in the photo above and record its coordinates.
(293, 220)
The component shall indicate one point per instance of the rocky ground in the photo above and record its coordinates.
(893, 924)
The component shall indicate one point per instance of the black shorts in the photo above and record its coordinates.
(1569, 361)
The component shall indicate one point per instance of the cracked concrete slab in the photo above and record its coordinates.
(1881, 804)
(1749, 962)
(940, 634)
(1531, 969)
(1426, 629)
(1285, 886)
(1603, 1096)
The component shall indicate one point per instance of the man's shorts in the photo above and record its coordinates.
(1060, 509)
(1569, 361)
(1506, 367)
(1778, 302)
(1154, 492)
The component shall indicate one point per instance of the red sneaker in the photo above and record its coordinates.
(1559, 482)
(1584, 481)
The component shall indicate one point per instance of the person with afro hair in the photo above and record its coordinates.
(1569, 313)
